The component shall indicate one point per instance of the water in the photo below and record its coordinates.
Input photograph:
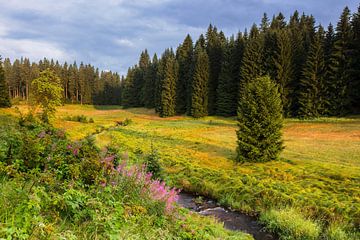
(234, 221)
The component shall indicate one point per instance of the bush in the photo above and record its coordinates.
(338, 232)
(153, 164)
(79, 118)
(290, 224)
(260, 121)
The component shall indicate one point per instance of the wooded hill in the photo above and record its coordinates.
(317, 71)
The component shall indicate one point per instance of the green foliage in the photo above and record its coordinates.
(168, 85)
(290, 224)
(260, 122)
(184, 56)
(311, 98)
(149, 88)
(354, 86)
(338, 231)
(283, 67)
(4, 93)
(47, 93)
(338, 79)
(199, 89)
(215, 42)
(252, 63)
(227, 91)
(53, 188)
(153, 164)
(79, 118)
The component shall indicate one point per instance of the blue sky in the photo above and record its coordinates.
(111, 34)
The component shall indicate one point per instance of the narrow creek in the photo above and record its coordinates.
(232, 220)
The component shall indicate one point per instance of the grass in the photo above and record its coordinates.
(53, 188)
(319, 172)
(291, 224)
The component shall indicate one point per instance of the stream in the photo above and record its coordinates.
(232, 220)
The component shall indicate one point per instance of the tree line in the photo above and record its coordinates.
(82, 84)
(317, 71)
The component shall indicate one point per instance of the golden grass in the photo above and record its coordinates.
(320, 170)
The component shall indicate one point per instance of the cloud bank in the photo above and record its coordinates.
(111, 34)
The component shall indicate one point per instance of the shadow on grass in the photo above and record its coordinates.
(107, 107)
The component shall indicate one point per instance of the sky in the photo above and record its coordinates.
(111, 34)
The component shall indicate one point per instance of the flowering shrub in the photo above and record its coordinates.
(155, 189)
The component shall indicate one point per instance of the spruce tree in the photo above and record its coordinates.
(227, 88)
(214, 48)
(252, 62)
(354, 86)
(283, 67)
(264, 26)
(260, 122)
(4, 91)
(312, 92)
(298, 59)
(339, 68)
(184, 56)
(128, 99)
(144, 65)
(199, 91)
(168, 85)
(149, 85)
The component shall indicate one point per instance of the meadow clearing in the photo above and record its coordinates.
(318, 176)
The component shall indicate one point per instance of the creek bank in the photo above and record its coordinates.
(232, 220)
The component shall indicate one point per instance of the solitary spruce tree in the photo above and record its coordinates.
(4, 93)
(260, 121)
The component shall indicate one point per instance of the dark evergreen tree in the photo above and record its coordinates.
(144, 67)
(4, 91)
(264, 26)
(354, 86)
(128, 99)
(237, 58)
(312, 92)
(168, 86)
(278, 22)
(339, 67)
(184, 57)
(150, 83)
(227, 87)
(260, 122)
(283, 68)
(214, 48)
(252, 62)
(199, 90)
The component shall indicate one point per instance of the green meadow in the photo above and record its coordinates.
(315, 185)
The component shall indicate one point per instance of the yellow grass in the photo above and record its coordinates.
(319, 171)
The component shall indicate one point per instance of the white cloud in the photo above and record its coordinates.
(124, 42)
(33, 49)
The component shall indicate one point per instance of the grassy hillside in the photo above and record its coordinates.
(318, 176)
